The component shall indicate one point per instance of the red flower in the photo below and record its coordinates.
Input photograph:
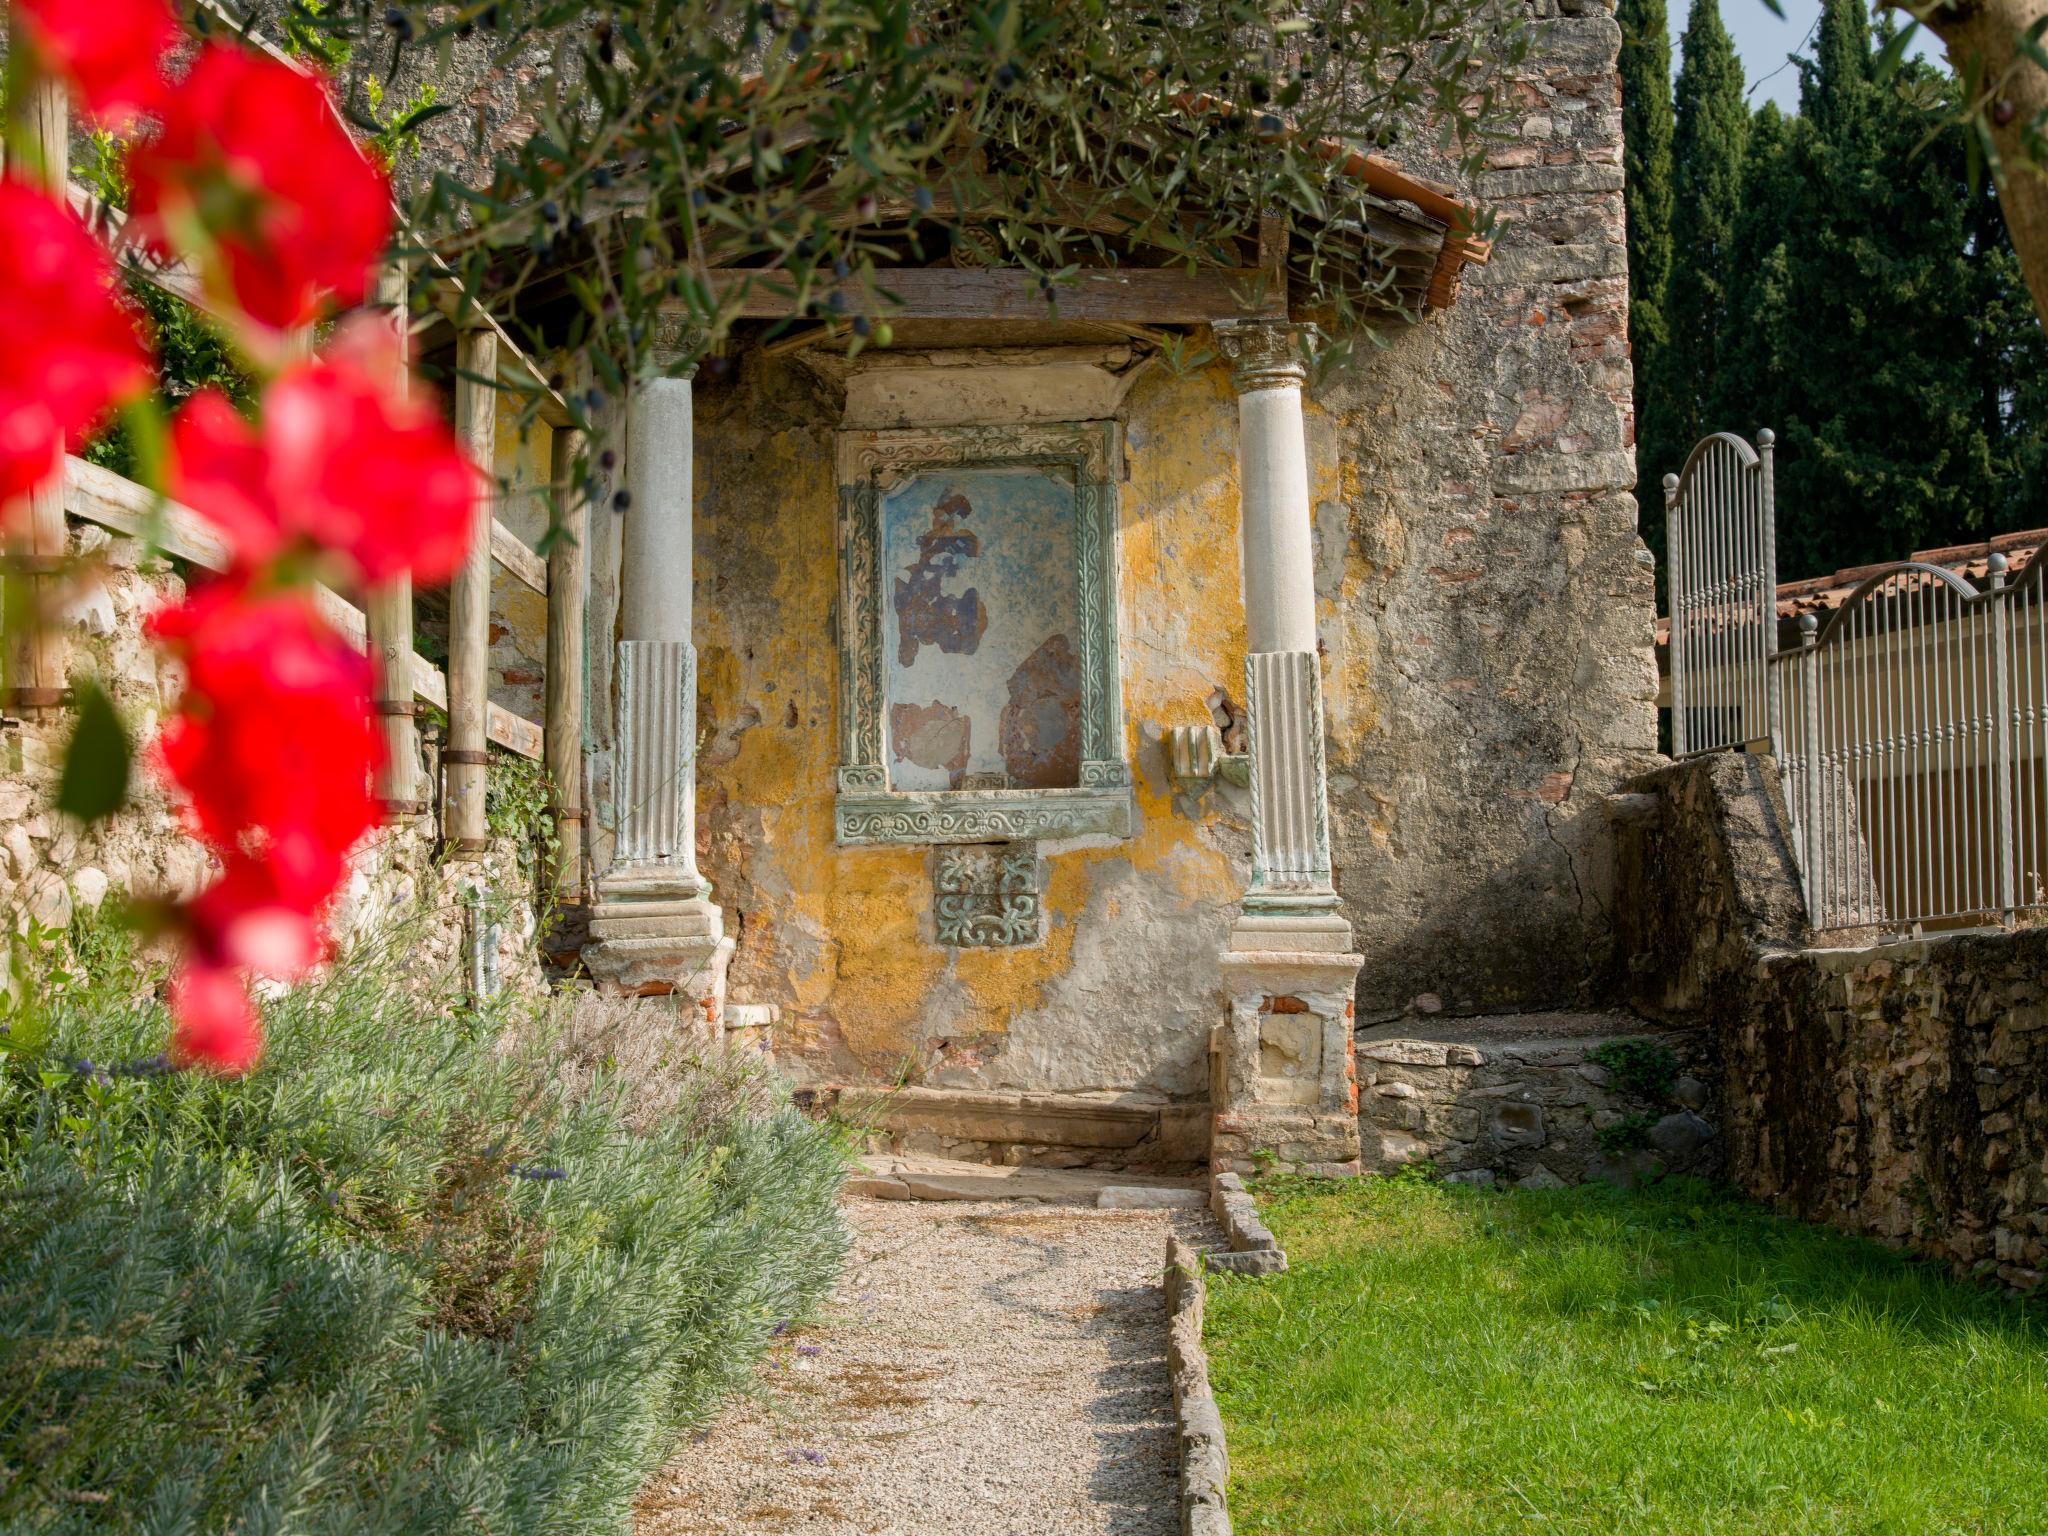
(272, 742)
(71, 347)
(213, 1023)
(111, 49)
(254, 179)
(265, 914)
(341, 459)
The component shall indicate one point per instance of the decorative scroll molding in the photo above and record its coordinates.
(1262, 354)
(960, 816)
(674, 336)
(870, 462)
(988, 897)
(1290, 806)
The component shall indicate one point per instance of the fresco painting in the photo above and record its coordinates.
(984, 683)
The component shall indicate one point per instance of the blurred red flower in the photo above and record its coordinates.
(272, 742)
(342, 459)
(255, 181)
(112, 50)
(213, 1023)
(72, 350)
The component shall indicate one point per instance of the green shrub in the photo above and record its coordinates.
(408, 1275)
(1648, 1068)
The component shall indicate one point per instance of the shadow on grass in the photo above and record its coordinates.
(1442, 1359)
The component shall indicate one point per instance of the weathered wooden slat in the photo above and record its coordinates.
(1136, 295)
(120, 505)
(511, 552)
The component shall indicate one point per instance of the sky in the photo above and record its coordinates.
(1764, 41)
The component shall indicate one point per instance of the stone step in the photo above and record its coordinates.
(888, 1177)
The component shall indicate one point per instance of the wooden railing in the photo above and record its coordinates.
(100, 496)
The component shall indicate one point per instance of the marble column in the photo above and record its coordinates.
(1283, 1082)
(653, 925)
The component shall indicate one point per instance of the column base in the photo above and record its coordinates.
(656, 932)
(1283, 1080)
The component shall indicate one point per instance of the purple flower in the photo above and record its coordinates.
(810, 1349)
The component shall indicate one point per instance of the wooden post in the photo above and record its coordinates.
(564, 718)
(34, 662)
(387, 610)
(467, 756)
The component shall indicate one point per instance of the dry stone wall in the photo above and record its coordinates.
(53, 869)
(1898, 1090)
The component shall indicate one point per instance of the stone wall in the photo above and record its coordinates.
(1537, 1099)
(1899, 1090)
(52, 868)
(1487, 602)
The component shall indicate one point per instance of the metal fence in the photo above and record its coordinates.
(1721, 555)
(1911, 728)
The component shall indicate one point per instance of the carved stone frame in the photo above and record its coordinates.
(866, 809)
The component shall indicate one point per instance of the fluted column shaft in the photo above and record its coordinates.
(1283, 676)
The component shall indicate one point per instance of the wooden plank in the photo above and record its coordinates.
(1133, 295)
(469, 603)
(563, 717)
(511, 553)
(113, 501)
(100, 496)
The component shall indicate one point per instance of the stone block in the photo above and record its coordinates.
(1518, 1124)
(1139, 1197)
(1251, 1261)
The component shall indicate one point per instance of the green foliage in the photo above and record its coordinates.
(821, 144)
(1644, 1067)
(1870, 311)
(97, 758)
(1598, 1362)
(1710, 127)
(1646, 128)
(1631, 1133)
(407, 1276)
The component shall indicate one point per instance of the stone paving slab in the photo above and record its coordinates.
(890, 1177)
(984, 1369)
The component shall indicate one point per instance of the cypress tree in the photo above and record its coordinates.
(1710, 128)
(1892, 380)
(1646, 163)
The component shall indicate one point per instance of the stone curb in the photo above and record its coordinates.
(1253, 1248)
(1204, 1464)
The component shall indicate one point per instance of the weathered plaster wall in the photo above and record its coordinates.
(1899, 1090)
(1123, 989)
(1487, 604)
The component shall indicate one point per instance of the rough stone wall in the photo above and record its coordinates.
(1898, 1090)
(1521, 1099)
(52, 869)
(1487, 604)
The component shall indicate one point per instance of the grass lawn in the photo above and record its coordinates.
(1450, 1360)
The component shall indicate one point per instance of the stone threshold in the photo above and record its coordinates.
(887, 1177)
(1101, 1130)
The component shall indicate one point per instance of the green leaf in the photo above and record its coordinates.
(96, 764)
(1894, 53)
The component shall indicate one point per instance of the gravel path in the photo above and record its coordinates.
(985, 1369)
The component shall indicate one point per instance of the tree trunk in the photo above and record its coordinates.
(1985, 34)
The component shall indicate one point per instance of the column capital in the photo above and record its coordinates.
(675, 336)
(1262, 354)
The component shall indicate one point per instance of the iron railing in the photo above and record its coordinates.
(1913, 734)
(1911, 728)
(1721, 554)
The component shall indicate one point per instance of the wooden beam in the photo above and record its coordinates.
(510, 551)
(100, 496)
(1129, 295)
(34, 658)
(469, 603)
(388, 615)
(563, 717)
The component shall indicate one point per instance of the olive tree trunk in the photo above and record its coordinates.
(1982, 38)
